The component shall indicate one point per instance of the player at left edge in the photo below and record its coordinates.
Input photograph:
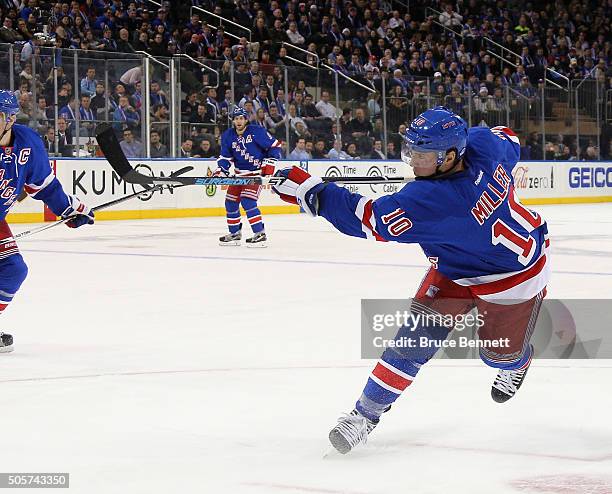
(24, 166)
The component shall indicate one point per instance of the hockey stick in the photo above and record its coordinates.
(106, 205)
(114, 154)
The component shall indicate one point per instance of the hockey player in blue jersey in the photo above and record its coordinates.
(25, 166)
(252, 151)
(487, 252)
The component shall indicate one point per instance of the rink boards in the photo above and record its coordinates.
(93, 180)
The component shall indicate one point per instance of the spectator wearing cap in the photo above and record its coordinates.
(194, 48)
(526, 89)
(352, 20)
(436, 81)
(162, 19)
(371, 66)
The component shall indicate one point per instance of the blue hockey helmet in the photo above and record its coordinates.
(238, 111)
(437, 130)
(8, 103)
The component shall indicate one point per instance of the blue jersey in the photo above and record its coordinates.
(471, 224)
(247, 151)
(25, 166)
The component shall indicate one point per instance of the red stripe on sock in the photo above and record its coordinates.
(391, 378)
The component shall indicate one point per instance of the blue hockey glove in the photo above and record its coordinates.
(301, 188)
(79, 213)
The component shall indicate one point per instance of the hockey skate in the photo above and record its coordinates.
(257, 240)
(231, 239)
(6, 343)
(352, 429)
(508, 382)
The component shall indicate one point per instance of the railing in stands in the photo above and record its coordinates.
(222, 20)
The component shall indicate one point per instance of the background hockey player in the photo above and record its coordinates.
(25, 166)
(252, 151)
(483, 245)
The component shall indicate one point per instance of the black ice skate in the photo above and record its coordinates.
(257, 240)
(6, 343)
(352, 430)
(231, 239)
(508, 382)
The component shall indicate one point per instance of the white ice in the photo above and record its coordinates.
(150, 360)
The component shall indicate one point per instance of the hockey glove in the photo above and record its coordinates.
(220, 172)
(79, 213)
(268, 166)
(300, 188)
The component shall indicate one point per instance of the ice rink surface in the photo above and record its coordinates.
(150, 360)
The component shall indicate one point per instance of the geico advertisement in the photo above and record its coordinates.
(95, 182)
(590, 176)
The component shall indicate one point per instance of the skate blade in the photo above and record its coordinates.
(6, 349)
(331, 452)
(258, 245)
(234, 243)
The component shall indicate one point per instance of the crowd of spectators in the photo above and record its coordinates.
(438, 52)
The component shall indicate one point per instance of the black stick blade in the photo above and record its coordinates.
(107, 140)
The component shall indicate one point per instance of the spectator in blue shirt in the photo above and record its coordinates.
(300, 153)
(88, 83)
(125, 114)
